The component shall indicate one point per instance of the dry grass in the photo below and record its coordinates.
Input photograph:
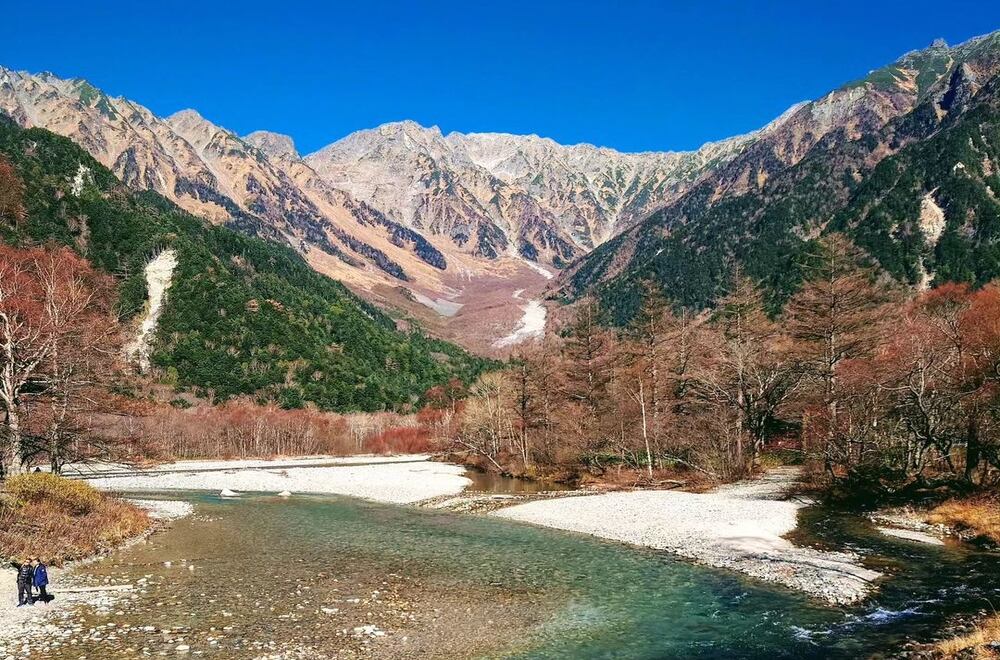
(57, 519)
(979, 516)
(973, 645)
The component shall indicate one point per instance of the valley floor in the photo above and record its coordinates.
(738, 527)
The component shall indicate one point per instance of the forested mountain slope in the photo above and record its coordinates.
(917, 191)
(243, 315)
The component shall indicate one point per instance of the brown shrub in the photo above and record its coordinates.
(73, 497)
(400, 440)
(57, 519)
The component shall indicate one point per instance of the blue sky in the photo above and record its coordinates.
(629, 75)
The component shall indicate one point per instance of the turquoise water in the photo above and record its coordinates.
(544, 593)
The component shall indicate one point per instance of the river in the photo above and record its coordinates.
(320, 576)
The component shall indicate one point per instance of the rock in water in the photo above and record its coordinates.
(228, 493)
(285, 493)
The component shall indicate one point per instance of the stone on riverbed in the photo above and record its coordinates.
(911, 535)
(228, 493)
(285, 493)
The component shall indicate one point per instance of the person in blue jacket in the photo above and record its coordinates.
(40, 577)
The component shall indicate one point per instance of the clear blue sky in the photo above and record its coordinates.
(629, 75)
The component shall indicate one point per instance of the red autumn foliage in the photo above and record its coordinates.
(59, 346)
(240, 429)
(400, 440)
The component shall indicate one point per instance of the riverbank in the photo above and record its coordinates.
(982, 640)
(390, 480)
(739, 527)
(975, 520)
(380, 580)
(34, 628)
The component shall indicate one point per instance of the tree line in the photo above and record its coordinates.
(875, 388)
(66, 394)
(242, 429)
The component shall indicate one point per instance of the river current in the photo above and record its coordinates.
(316, 577)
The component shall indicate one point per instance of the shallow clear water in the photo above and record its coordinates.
(448, 585)
(491, 482)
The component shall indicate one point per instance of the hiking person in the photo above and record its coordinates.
(25, 573)
(40, 578)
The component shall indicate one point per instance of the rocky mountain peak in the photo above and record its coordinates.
(189, 119)
(410, 128)
(204, 135)
(274, 145)
(402, 202)
(576, 196)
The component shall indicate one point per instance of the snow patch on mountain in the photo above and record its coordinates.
(447, 308)
(544, 272)
(82, 174)
(531, 325)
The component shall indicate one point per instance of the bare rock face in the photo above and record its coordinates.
(214, 173)
(528, 187)
(861, 121)
(274, 145)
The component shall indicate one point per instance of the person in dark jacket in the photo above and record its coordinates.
(40, 578)
(25, 575)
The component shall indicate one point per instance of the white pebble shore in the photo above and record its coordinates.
(728, 529)
(394, 481)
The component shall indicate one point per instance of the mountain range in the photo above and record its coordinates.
(242, 316)
(402, 214)
(903, 161)
(450, 228)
